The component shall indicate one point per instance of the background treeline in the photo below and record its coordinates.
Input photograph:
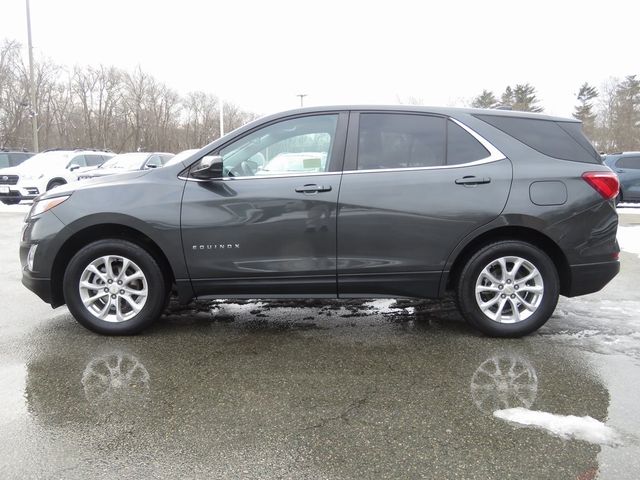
(107, 107)
(610, 114)
(104, 107)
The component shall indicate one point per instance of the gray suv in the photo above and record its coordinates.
(507, 210)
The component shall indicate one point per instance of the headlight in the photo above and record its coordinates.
(42, 206)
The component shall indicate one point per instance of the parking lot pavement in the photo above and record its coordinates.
(322, 390)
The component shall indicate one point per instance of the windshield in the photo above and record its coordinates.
(46, 160)
(128, 161)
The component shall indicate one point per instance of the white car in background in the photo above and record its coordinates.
(181, 156)
(126, 162)
(45, 171)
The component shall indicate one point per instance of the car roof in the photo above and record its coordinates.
(448, 111)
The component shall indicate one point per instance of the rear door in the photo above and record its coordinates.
(414, 185)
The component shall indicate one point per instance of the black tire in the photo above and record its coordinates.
(54, 184)
(157, 291)
(466, 288)
(10, 201)
(619, 198)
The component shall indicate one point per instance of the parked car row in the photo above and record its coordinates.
(26, 178)
(627, 167)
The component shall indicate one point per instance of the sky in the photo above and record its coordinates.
(261, 54)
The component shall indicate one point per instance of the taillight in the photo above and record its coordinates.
(605, 183)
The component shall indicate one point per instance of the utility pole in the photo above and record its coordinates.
(301, 95)
(32, 87)
(221, 117)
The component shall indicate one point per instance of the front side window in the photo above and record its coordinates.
(94, 160)
(297, 146)
(78, 161)
(400, 141)
(629, 162)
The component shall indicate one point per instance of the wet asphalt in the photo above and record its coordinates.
(314, 389)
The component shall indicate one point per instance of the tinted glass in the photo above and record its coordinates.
(299, 145)
(4, 160)
(563, 140)
(94, 160)
(629, 162)
(154, 161)
(400, 141)
(78, 160)
(462, 147)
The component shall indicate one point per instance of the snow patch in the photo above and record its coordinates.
(564, 426)
(629, 239)
(382, 305)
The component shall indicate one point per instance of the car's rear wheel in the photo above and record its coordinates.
(114, 287)
(508, 289)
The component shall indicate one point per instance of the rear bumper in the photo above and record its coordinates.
(590, 277)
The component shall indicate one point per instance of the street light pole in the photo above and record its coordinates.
(221, 117)
(301, 95)
(32, 88)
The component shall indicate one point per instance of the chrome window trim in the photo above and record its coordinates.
(253, 177)
(494, 156)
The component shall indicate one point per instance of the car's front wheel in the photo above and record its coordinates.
(114, 287)
(508, 289)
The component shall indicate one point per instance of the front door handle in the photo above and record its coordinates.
(472, 180)
(313, 188)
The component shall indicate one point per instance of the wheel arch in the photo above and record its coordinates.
(60, 180)
(509, 232)
(103, 231)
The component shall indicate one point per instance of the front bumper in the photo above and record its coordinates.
(590, 277)
(39, 286)
(14, 192)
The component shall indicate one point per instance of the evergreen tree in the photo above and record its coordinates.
(626, 114)
(524, 98)
(584, 111)
(485, 100)
(507, 98)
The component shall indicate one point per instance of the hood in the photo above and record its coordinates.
(102, 172)
(10, 171)
(89, 183)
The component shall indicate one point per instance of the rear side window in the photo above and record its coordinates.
(462, 147)
(400, 141)
(563, 140)
(629, 162)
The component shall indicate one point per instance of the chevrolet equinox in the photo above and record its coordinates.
(508, 210)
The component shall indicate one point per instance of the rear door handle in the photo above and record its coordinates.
(472, 180)
(313, 188)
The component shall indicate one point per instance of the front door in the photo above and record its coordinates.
(268, 227)
(414, 185)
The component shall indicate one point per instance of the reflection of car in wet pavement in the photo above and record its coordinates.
(335, 394)
(508, 210)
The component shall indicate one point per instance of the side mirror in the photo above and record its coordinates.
(73, 167)
(151, 165)
(208, 168)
